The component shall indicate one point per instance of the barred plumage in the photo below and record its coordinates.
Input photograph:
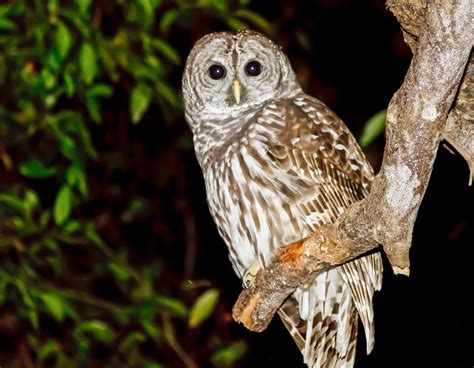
(277, 166)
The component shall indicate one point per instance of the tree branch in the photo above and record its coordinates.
(459, 130)
(416, 122)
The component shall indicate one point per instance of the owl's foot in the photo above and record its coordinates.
(250, 274)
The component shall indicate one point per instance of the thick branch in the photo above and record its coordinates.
(416, 120)
(294, 266)
(410, 15)
(416, 117)
(460, 134)
(459, 130)
(460, 124)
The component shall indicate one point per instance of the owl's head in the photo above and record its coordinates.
(227, 74)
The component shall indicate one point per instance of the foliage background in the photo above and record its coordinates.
(108, 256)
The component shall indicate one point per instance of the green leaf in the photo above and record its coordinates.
(32, 313)
(34, 319)
(87, 63)
(167, 50)
(100, 90)
(55, 305)
(52, 61)
(48, 78)
(4, 282)
(175, 306)
(107, 57)
(62, 40)
(63, 204)
(146, 310)
(7, 25)
(71, 226)
(138, 206)
(131, 340)
(304, 41)
(139, 102)
(71, 121)
(120, 272)
(68, 146)
(12, 201)
(99, 329)
(203, 307)
(230, 354)
(76, 177)
(153, 365)
(49, 348)
(255, 19)
(94, 109)
(236, 24)
(150, 328)
(53, 6)
(221, 6)
(143, 71)
(18, 223)
(94, 237)
(195, 284)
(146, 12)
(44, 218)
(83, 5)
(373, 128)
(5, 10)
(35, 169)
(31, 200)
(156, 3)
(168, 19)
(69, 84)
(25, 294)
(158, 67)
(167, 92)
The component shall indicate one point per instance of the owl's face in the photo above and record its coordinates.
(227, 74)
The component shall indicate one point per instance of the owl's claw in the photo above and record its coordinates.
(250, 274)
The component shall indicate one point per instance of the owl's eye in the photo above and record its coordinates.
(253, 68)
(216, 71)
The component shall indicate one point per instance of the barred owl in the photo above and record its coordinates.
(278, 164)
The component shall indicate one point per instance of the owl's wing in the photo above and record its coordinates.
(318, 167)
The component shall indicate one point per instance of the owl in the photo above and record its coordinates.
(277, 165)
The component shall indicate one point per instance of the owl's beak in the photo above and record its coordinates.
(236, 89)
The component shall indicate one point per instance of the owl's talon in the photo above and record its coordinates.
(250, 274)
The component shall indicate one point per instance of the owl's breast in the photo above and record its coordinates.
(254, 219)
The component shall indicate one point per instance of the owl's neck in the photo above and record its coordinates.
(218, 130)
(216, 136)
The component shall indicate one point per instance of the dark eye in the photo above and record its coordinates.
(253, 68)
(216, 71)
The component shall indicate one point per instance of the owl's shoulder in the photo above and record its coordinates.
(306, 125)
(299, 115)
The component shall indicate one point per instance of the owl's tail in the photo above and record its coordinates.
(327, 322)
(323, 318)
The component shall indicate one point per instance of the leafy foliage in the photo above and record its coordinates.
(373, 128)
(74, 287)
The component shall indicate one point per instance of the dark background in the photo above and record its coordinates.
(146, 200)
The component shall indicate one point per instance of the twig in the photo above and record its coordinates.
(178, 349)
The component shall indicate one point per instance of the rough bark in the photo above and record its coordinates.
(459, 129)
(441, 35)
